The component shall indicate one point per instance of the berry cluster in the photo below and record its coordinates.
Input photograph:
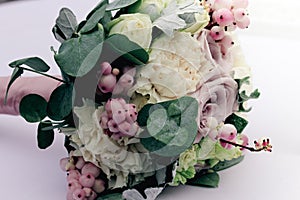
(228, 137)
(83, 179)
(227, 15)
(119, 119)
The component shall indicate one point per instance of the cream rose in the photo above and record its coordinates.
(172, 71)
(137, 27)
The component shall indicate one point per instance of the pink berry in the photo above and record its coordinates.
(90, 168)
(231, 27)
(105, 68)
(227, 132)
(223, 17)
(114, 105)
(104, 120)
(217, 32)
(112, 126)
(240, 3)
(73, 184)
(73, 174)
(99, 186)
(87, 180)
(244, 23)
(92, 196)
(227, 41)
(131, 115)
(79, 194)
(115, 71)
(107, 83)
(88, 191)
(127, 129)
(119, 116)
(239, 14)
(80, 162)
(218, 4)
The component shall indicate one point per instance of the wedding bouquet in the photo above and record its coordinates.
(152, 94)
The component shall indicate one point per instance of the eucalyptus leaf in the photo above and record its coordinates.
(44, 138)
(239, 122)
(114, 196)
(65, 24)
(33, 108)
(227, 163)
(128, 49)
(210, 179)
(118, 4)
(170, 126)
(94, 17)
(33, 62)
(61, 102)
(17, 72)
(77, 56)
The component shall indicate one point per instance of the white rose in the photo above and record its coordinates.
(173, 68)
(137, 27)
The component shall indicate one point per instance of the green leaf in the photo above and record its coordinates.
(33, 62)
(65, 24)
(114, 196)
(60, 102)
(239, 122)
(210, 179)
(16, 74)
(171, 126)
(33, 108)
(77, 56)
(128, 49)
(227, 163)
(118, 4)
(94, 17)
(44, 138)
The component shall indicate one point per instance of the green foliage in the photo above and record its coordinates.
(94, 17)
(33, 108)
(118, 4)
(171, 126)
(65, 26)
(60, 102)
(44, 137)
(209, 179)
(77, 56)
(227, 163)
(33, 62)
(239, 122)
(128, 49)
(16, 74)
(243, 97)
(114, 196)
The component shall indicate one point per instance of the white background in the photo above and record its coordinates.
(271, 46)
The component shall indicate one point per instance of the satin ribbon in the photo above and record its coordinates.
(21, 87)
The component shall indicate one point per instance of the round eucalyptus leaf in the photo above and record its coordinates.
(44, 137)
(60, 102)
(33, 108)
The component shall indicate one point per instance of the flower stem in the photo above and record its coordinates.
(242, 146)
(47, 75)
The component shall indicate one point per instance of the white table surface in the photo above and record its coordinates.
(271, 46)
